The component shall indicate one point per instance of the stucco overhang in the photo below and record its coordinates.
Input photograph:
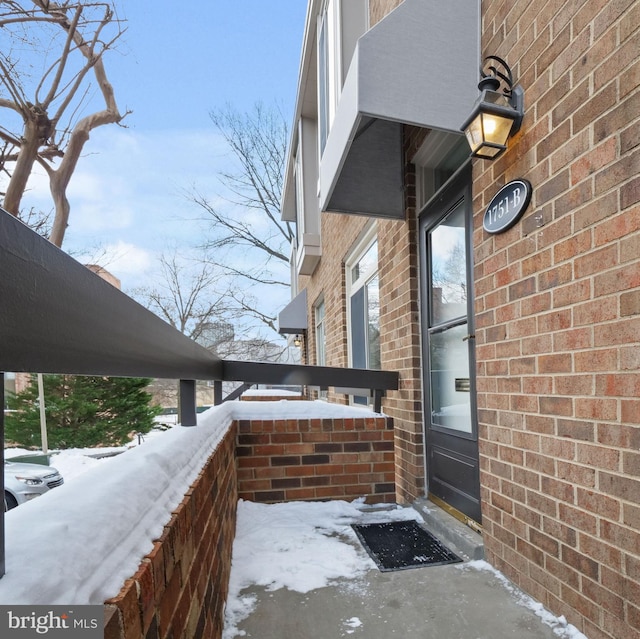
(292, 319)
(418, 66)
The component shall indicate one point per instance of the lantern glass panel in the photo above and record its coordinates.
(496, 128)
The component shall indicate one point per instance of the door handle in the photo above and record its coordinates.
(467, 337)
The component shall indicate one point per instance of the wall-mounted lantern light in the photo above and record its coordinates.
(497, 114)
(297, 341)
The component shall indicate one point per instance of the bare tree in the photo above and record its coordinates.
(450, 277)
(257, 141)
(66, 41)
(192, 296)
(187, 295)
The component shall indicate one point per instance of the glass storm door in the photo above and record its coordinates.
(448, 350)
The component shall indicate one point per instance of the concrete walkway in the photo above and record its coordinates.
(437, 602)
(455, 601)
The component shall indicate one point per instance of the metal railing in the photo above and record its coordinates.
(57, 316)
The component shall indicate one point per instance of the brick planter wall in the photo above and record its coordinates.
(271, 398)
(283, 460)
(181, 586)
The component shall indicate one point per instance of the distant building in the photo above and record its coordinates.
(104, 274)
(210, 334)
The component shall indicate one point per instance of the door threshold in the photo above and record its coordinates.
(442, 523)
(454, 512)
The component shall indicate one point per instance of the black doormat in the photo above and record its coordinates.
(399, 545)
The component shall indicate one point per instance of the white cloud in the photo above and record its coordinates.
(137, 181)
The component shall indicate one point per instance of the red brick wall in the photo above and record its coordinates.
(270, 398)
(181, 586)
(558, 315)
(285, 460)
(339, 234)
(400, 332)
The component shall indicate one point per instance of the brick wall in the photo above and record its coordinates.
(339, 234)
(399, 340)
(181, 586)
(400, 331)
(285, 460)
(558, 315)
(270, 398)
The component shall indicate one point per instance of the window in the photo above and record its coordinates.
(329, 64)
(320, 334)
(364, 308)
(440, 156)
(319, 325)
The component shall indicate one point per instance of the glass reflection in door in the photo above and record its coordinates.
(448, 330)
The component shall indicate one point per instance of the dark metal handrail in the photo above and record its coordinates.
(57, 316)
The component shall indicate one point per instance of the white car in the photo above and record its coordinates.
(23, 481)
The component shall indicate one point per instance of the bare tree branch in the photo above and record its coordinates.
(187, 296)
(250, 221)
(76, 27)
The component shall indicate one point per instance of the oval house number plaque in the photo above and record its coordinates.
(507, 206)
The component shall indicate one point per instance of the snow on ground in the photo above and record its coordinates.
(559, 624)
(303, 546)
(275, 392)
(78, 543)
(298, 545)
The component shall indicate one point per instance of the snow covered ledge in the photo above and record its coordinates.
(140, 518)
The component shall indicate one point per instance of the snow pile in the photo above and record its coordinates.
(352, 623)
(78, 543)
(274, 392)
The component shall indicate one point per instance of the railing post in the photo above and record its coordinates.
(2, 553)
(217, 392)
(377, 400)
(187, 410)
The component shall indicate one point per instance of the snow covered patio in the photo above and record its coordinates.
(150, 531)
(299, 571)
(162, 520)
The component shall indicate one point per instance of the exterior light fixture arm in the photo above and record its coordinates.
(494, 73)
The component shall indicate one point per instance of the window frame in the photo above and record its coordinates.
(353, 286)
(320, 333)
(329, 45)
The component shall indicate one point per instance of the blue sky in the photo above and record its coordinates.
(181, 59)
(176, 62)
